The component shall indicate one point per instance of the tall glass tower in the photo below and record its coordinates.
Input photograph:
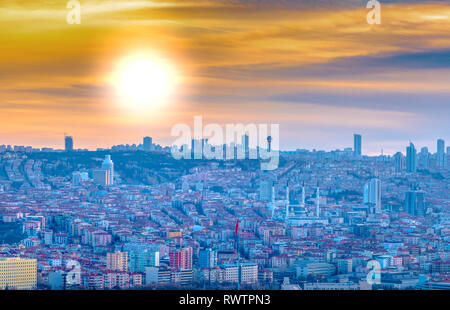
(68, 143)
(357, 140)
(440, 153)
(411, 158)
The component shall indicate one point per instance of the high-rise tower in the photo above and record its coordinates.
(246, 146)
(374, 195)
(440, 153)
(415, 202)
(68, 143)
(108, 165)
(411, 158)
(357, 141)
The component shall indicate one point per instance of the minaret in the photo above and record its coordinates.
(303, 195)
(318, 201)
(287, 203)
(273, 201)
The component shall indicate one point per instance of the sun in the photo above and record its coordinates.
(145, 81)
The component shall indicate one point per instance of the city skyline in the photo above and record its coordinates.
(329, 73)
(146, 141)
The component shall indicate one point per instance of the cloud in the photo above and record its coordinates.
(342, 67)
(314, 64)
(412, 102)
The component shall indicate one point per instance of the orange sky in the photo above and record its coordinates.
(320, 71)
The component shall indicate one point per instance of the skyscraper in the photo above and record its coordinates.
(197, 147)
(399, 161)
(447, 156)
(372, 195)
(411, 158)
(68, 143)
(147, 144)
(440, 153)
(142, 255)
(246, 146)
(108, 165)
(423, 157)
(415, 203)
(357, 140)
(207, 258)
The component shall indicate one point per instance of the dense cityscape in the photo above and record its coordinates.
(133, 217)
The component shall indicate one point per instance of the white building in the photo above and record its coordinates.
(48, 236)
(372, 195)
(307, 269)
(249, 273)
(108, 165)
(231, 274)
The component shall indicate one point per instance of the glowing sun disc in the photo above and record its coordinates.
(145, 81)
